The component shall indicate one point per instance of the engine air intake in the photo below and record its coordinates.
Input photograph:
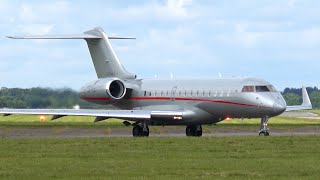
(116, 89)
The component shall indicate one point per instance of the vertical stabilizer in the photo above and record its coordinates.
(105, 60)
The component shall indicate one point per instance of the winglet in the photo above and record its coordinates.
(305, 98)
(306, 103)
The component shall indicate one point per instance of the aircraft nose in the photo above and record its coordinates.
(278, 108)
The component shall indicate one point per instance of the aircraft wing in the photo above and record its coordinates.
(131, 115)
(306, 103)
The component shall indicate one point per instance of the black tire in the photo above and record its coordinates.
(137, 131)
(190, 131)
(264, 133)
(267, 133)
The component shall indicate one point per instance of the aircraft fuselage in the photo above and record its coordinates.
(209, 100)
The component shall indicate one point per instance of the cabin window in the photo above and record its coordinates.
(185, 93)
(179, 93)
(248, 89)
(149, 93)
(155, 93)
(262, 89)
(209, 93)
(145, 93)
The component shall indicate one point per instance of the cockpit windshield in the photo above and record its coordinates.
(262, 89)
(268, 88)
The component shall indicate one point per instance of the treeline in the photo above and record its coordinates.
(67, 98)
(42, 98)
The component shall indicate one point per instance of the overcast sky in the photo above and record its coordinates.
(277, 40)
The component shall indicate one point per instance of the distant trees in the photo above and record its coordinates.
(66, 98)
(41, 98)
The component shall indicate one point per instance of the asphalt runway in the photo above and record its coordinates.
(172, 131)
(159, 131)
(300, 114)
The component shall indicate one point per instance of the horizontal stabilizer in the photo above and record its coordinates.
(79, 36)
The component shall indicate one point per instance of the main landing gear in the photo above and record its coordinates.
(140, 130)
(264, 131)
(194, 130)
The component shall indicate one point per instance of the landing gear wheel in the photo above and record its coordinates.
(189, 131)
(145, 132)
(198, 131)
(264, 133)
(137, 131)
(194, 130)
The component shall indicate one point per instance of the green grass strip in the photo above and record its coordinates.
(161, 158)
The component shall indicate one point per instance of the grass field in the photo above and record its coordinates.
(283, 157)
(161, 158)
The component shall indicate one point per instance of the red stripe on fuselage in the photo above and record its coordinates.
(96, 98)
(176, 99)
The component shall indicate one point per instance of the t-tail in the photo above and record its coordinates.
(104, 58)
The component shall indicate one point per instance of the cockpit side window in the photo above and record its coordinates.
(262, 89)
(248, 89)
(272, 89)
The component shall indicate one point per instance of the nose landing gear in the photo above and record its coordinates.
(264, 131)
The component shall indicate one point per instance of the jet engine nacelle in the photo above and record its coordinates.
(104, 91)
